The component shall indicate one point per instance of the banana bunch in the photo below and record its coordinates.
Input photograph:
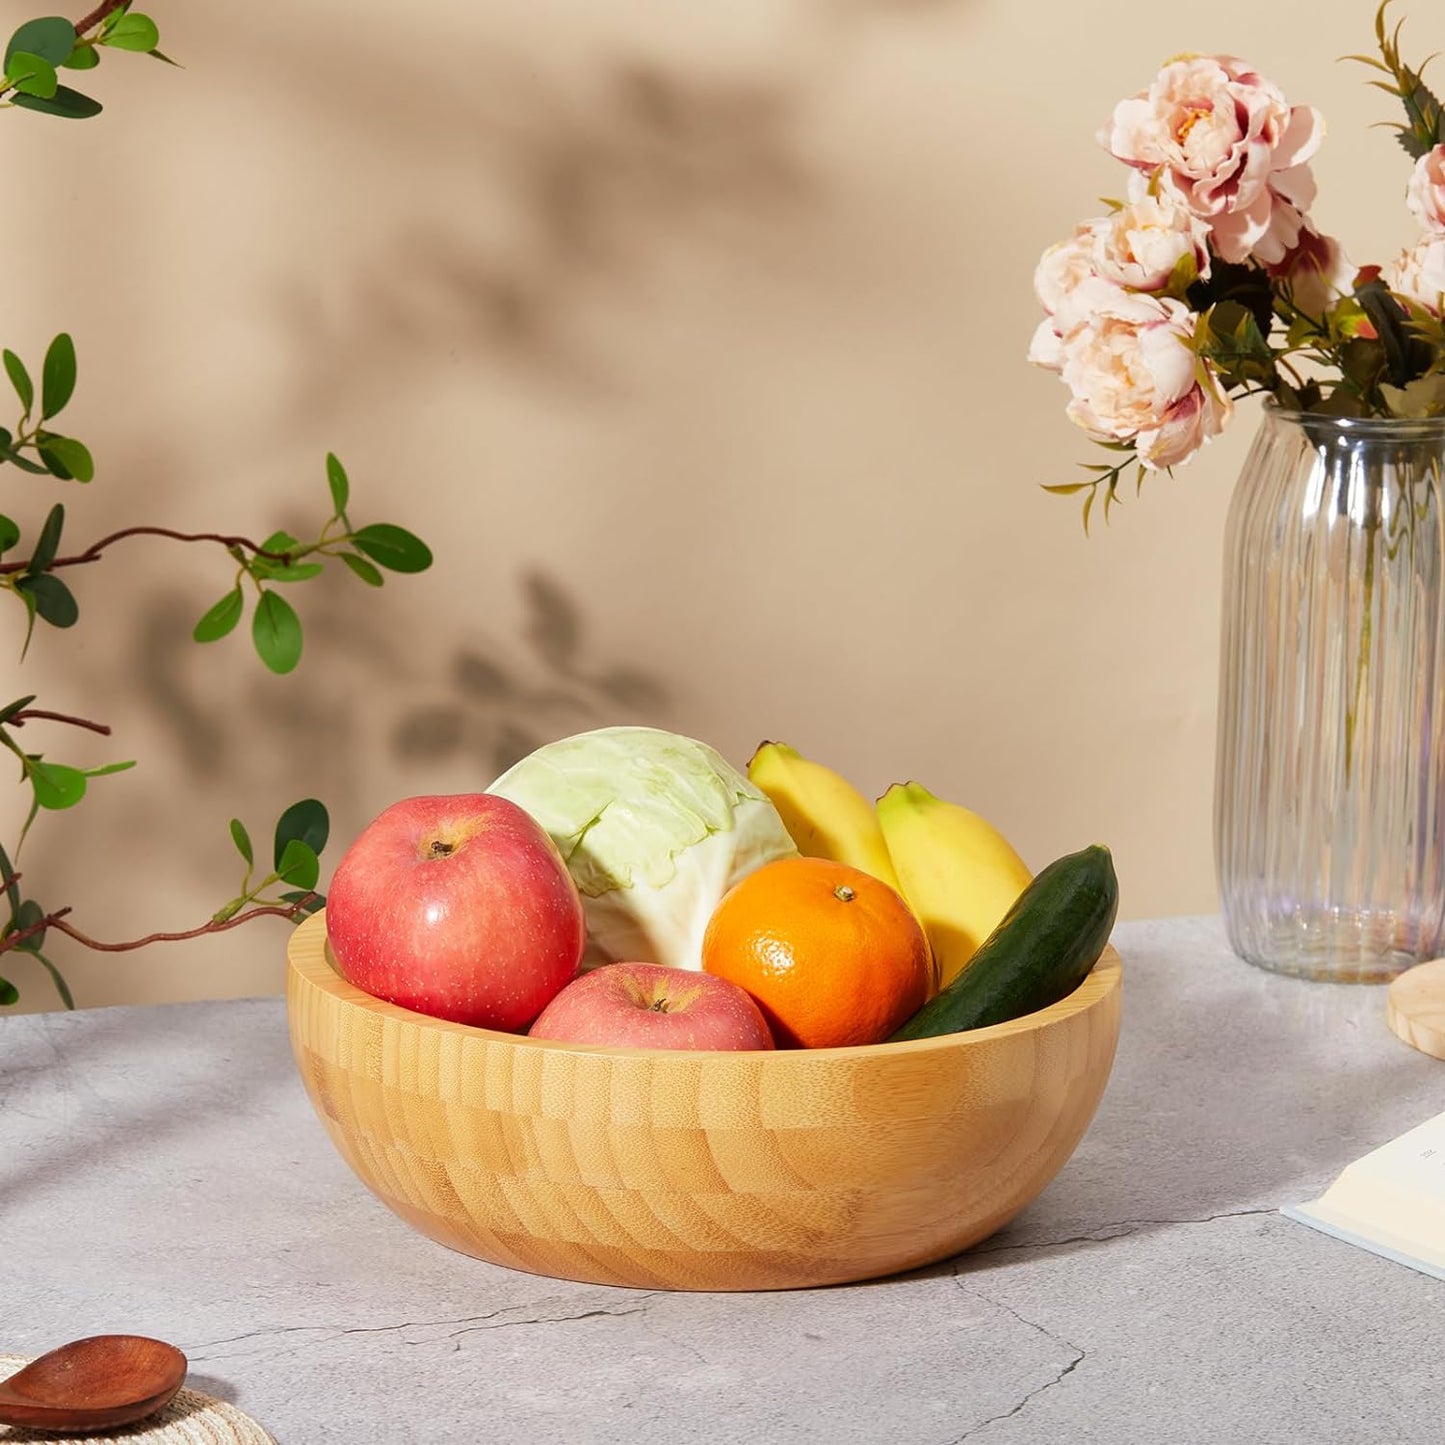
(955, 870)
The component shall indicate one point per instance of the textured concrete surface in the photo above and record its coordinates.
(161, 1172)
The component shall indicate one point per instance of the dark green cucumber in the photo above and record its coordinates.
(1041, 952)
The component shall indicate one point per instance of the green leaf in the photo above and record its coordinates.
(299, 865)
(133, 32)
(28, 915)
(115, 17)
(305, 822)
(276, 631)
(51, 38)
(57, 380)
(56, 786)
(9, 454)
(82, 57)
(8, 993)
(222, 618)
(296, 572)
(314, 900)
(68, 459)
(242, 839)
(1423, 397)
(156, 54)
(12, 708)
(9, 534)
(44, 553)
(20, 380)
(54, 601)
(31, 75)
(393, 547)
(281, 543)
(106, 769)
(363, 569)
(68, 104)
(60, 985)
(336, 479)
(7, 875)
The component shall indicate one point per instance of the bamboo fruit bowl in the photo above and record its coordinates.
(702, 1171)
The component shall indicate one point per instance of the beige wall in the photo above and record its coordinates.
(692, 337)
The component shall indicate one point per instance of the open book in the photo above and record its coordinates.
(1392, 1201)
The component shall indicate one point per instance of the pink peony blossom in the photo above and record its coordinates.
(1061, 270)
(1316, 270)
(1230, 145)
(1126, 357)
(1141, 243)
(1419, 273)
(1425, 194)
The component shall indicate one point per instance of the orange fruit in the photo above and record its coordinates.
(832, 955)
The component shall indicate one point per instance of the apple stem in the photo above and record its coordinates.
(439, 849)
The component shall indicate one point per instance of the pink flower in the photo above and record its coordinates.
(1425, 194)
(1226, 140)
(1419, 273)
(1316, 271)
(1141, 243)
(1134, 376)
(1061, 270)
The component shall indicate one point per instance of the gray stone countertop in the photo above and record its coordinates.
(161, 1172)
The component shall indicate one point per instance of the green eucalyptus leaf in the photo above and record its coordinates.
(68, 459)
(51, 38)
(56, 786)
(66, 103)
(11, 709)
(276, 632)
(7, 876)
(222, 618)
(337, 480)
(31, 75)
(54, 601)
(82, 57)
(55, 977)
(280, 543)
(20, 380)
(8, 993)
(133, 32)
(49, 541)
(242, 839)
(296, 572)
(363, 569)
(16, 459)
(309, 897)
(106, 769)
(29, 914)
(307, 822)
(299, 865)
(57, 380)
(393, 547)
(115, 17)
(9, 534)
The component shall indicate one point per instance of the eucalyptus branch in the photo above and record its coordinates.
(21, 718)
(56, 920)
(94, 551)
(101, 12)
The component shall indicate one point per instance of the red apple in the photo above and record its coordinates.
(460, 907)
(648, 1006)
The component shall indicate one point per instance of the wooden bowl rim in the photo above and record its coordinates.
(316, 965)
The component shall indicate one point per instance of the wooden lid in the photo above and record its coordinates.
(1417, 1007)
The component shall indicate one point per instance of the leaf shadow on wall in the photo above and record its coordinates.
(482, 707)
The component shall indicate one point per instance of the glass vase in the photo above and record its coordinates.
(1330, 771)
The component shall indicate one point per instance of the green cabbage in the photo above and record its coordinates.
(654, 827)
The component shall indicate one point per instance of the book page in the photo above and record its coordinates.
(1392, 1201)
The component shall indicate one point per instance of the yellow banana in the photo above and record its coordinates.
(958, 873)
(825, 815)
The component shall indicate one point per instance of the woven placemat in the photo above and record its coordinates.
(190, 1419)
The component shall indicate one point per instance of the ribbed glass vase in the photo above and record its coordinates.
(1329, 824)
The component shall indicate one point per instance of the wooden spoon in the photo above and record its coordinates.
(93, 1384)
